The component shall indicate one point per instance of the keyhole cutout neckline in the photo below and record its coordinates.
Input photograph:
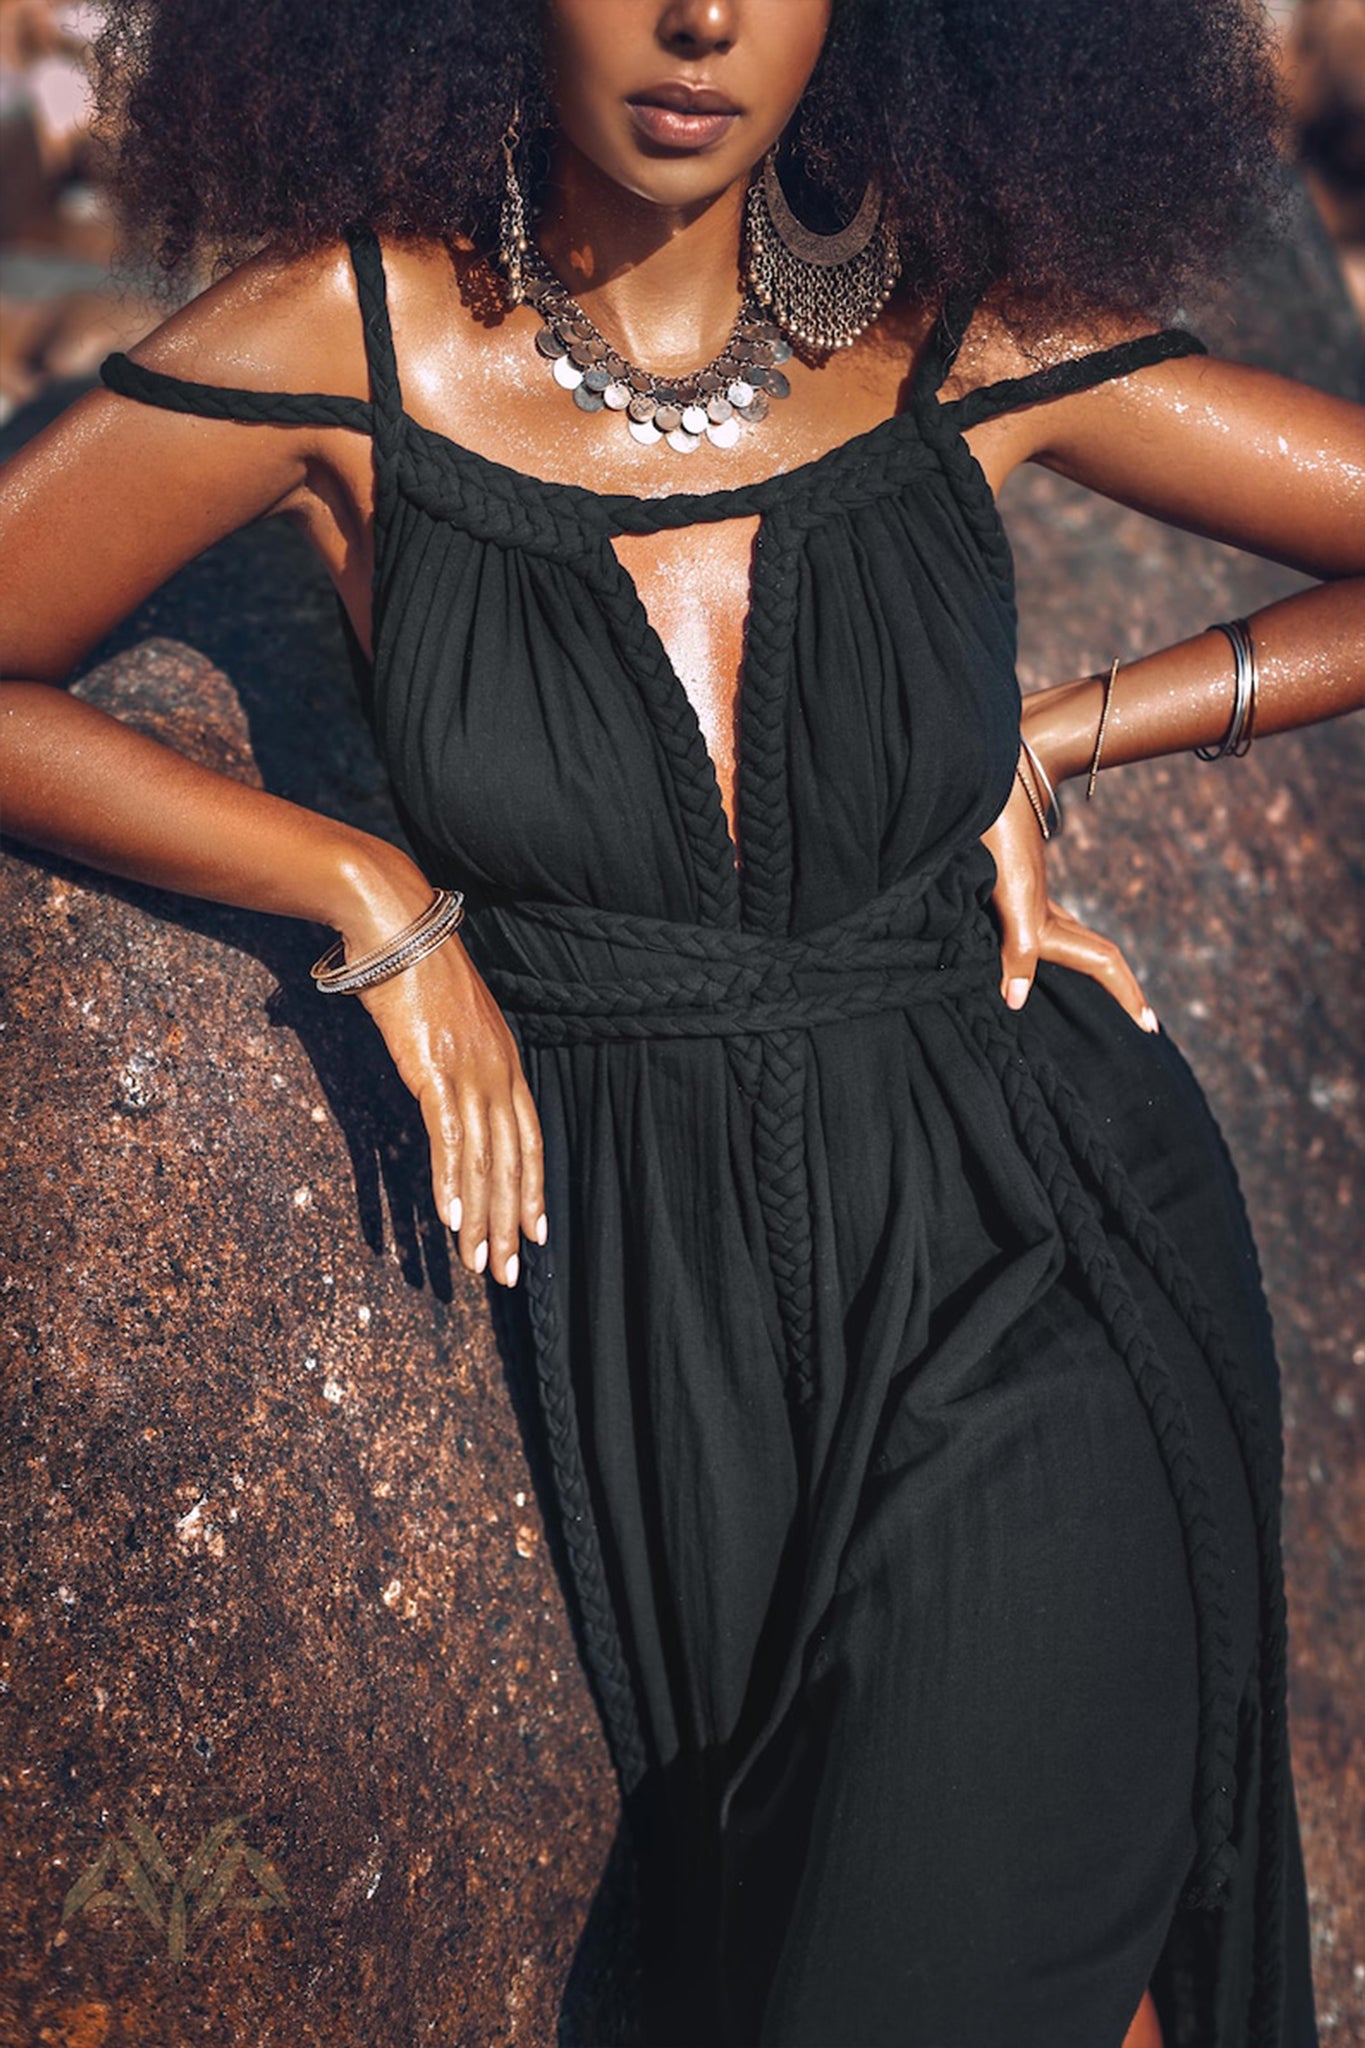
(733, 684)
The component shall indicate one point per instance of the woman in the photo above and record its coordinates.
(922, 1505)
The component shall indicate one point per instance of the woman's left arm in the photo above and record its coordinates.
(1243, 456)
(1239, 455)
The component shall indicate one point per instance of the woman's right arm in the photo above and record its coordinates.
(95, 514)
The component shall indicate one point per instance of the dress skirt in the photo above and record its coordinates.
(941, 1613)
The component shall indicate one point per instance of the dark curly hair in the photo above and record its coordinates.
(1108, 151)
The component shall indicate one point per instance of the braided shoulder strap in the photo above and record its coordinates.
(380, 415)
(226, 402)
(1077, 373)
(367, 260)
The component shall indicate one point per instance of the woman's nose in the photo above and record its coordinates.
(694, 28)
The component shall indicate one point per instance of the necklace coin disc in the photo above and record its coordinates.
(708, 404)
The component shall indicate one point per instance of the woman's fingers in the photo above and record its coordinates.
(487, 1169)
(487, 1173)
(533, 1218)
(1019, 943)
(476, 1176)
(504, 1195)
(445, 1135)
(1019, 898)
(1070, 943)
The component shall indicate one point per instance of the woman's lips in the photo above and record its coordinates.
(672, 128)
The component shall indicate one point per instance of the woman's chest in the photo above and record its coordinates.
(602, 718)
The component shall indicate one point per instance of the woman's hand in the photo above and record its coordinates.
(1034, 928)
(455, 1053)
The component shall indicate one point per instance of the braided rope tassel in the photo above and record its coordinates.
(1261, 1457)
(766, 885)
(601, 1638)
(765, 807)
(780, 1150)
(1083, 1234)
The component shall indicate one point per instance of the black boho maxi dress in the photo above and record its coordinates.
(909, 1386)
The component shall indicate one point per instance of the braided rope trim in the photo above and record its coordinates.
(1076, 373)
(971, 488)
(367, 261)
(605, 1658)
(780, 1155)
(448, 479)
(579, 1013)
(764, 697)
(227, 402)
(1083, 1234)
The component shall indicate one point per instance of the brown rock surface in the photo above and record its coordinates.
(272, 1551)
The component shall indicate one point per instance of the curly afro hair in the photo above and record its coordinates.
(1107, 151)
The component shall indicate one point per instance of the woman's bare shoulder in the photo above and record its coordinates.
(276, 322)
(289, 322)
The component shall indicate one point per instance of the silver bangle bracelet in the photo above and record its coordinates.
(1237, 739)
(338, 977)
(1049, 813)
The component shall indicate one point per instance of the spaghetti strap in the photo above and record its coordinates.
(226, 402)
(1078, 373)
(367, 260)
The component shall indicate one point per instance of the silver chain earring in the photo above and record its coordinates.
(513, 240)
(822, 290)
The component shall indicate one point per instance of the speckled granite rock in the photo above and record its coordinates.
(272, 1562)
(272, 1549)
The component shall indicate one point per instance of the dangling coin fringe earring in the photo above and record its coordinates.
(822, 290)
(513, 240)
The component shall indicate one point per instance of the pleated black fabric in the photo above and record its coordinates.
(921, 1496)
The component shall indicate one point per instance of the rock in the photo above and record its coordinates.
(274, 1565)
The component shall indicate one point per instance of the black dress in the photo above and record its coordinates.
(914, 1417)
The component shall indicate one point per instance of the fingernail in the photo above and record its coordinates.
(1016, 992)
(513, 1266)
(1148, 1018)
(542, 1228)
(456, 1213)
(481, 1255)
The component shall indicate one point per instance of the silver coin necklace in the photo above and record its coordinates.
(736, 388)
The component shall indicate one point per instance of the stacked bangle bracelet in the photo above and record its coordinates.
(1042, 798)
(1237, 739)
(337, 977)
(1101, 727)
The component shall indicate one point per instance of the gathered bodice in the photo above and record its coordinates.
(539, 741)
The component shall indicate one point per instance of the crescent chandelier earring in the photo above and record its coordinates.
(822, 290)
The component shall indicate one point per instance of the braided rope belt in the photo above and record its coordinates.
(641, 977)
